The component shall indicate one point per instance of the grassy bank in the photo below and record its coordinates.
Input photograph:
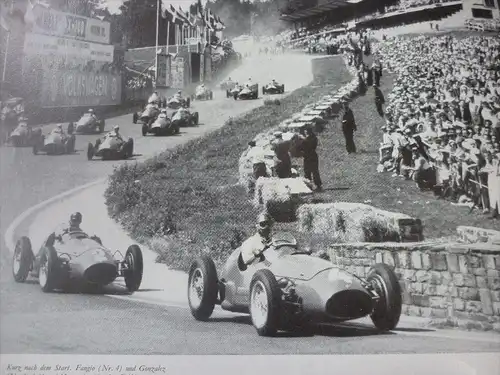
(188, 199)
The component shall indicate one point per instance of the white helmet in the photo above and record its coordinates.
(116, 127)
(91, 110)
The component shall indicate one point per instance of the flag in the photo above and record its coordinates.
(29, 16)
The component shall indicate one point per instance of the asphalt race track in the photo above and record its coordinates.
(34, 322)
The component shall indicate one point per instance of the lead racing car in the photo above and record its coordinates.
(87, 124)
(245, 92)
(286, 288)
(75, 258)
(273, 88)
(203, 93)
(111, 147)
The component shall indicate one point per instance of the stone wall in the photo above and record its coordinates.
(455, 283)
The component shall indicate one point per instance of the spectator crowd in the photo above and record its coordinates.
(443, 116)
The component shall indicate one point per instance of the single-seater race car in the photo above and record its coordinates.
(163, 125)
(88, 124)
(148, 116)
(55, 143)
(184, 117)
(24, 135)
(246, 92)
(203, 93)
(228, 85)
(178, 102)
(286, 288)
(273, 88)
(74, 258)
(111, 147)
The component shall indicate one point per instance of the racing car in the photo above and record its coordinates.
(74, 258)
(286, 288)
(163, 125)
(247, 92)
(148, 116)
(184, 117)
(88, 124)
(174, 103)
(273, 88)
(110, 147)
(228, 85)
(54, 143)
(203, 93)
(24, 135)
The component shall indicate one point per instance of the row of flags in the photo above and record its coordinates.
(200, 19)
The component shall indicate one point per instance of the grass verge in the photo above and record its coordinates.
(188, 200)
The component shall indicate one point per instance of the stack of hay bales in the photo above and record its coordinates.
(354, 222)
(280, 197)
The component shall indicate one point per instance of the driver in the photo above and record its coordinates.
(249, 82)
(254, 246)
(115, 133)
(274, 83)
(92, 114)
(178, 95)
(154, 98)
(58, 130)
(74, 226)
(163, 113)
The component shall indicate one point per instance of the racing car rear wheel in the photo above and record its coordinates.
(90, 151)
(22, 260)
(387, 311)
(196, 118)
(202, 288)
(265, 303)
(144, 129)
(71, 128)
(102, 126)
(47, 274)
(188, 102)
(133, 273)
(134, 118)
(211, 95)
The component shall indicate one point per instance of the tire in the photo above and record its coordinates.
(48, 272)
(22, 260)
(71, 128)
(268, 323)
(134, 118)
(202, 298)
(130, 148)
(196, 118)
(144, 129)
(90, 151)
(188, 102)
(211, 95)
(102, 127)
(133, 275)
(263, 91)
(35, 148)
(387, 311)
(70, 145)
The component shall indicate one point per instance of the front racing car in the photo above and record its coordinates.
(286, 288)
(55, 143)
(163, 125)
(273, 88)
(203, 93)
(111, 148)
(87, 124)
(247, 92)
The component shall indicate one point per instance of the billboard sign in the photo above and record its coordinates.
(177, 73)
(69, 88)
(67, 25)
(163, 76)
(42, 45)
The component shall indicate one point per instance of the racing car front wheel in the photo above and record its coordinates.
(22, 260)
(133, 273)
(387, 311)
(47, 274)
(265, 303)
(202, 288)
(90, 151)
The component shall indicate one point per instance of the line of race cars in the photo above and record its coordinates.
(250, 90)
(284, 288)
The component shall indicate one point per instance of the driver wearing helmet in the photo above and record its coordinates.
(58, 129)
(92, 114)
(254, 246)
(115, 133)
(74, 226)
(178, 95)
(154, 98)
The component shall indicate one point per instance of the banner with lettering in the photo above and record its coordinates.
(177, 73)
(163, 76)
(73, 88)
(38, 44)
(52, 22)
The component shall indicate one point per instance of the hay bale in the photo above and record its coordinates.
(280, 197)
(354, 222)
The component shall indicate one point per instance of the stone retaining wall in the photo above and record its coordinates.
(454, 283)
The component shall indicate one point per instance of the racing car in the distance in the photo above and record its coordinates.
(87, 124)
(273, 88)
(54, 143)
(24, 135)
(74, 258)
(203, 93)
(286, 288)
(110, 147)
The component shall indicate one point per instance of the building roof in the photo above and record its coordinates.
(322, 7)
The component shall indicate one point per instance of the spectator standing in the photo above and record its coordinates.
(311, 162)
(379, 100)
(283, 166)
(348, 128)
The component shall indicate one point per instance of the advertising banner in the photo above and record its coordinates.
(38, 44)
(178, 73)
(74, 88)
(163, 76)
(67, 25)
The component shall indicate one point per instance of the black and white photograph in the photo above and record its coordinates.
(249, 186)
